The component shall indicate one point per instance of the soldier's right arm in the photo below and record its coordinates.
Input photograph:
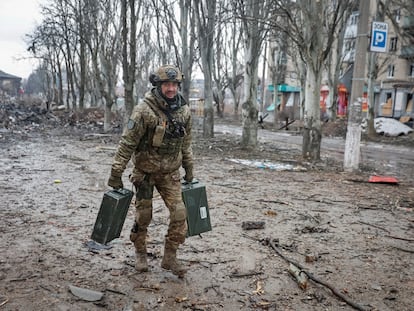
(129, 142)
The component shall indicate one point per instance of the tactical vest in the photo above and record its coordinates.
(167, 137)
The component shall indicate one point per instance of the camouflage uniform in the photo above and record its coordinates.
(158, 139)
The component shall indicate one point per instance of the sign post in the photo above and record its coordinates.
(379, 34)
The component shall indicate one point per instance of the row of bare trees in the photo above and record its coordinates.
(87, 47)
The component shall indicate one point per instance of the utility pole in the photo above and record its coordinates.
(353, 134)
(372, 75)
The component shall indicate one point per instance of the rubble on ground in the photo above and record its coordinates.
(19, 116)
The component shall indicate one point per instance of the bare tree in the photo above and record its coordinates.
(219, 61)
(333, 65)
(178, 47)
(45, 44)
(106, 49)
(232, 65)
(83, 14)
(188, 38)
(82, 41)
(253, 13)
(129, 44)
(278, 52)
(312, 27)
(205, 11)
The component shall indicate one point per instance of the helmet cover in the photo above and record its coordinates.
(167, 73)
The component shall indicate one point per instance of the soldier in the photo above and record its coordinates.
(158, 138)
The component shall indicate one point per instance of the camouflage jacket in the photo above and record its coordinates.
(158, 142)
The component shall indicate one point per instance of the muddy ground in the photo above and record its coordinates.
(354, 236)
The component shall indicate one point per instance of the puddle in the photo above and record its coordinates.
(278, 166)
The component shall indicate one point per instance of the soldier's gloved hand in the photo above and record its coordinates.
(188, 177)
(115, 180)
(136, 180)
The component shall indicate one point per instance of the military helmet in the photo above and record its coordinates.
(167, 73)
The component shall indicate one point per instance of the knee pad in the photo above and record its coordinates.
(179, 213)
(143, 217)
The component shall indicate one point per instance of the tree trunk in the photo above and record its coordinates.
(83, 69)
(186, 48)
(82, 58)
(249, 109)
(254, 39)
(353, 138)
(107, 116)
(312, 134)
(206, 24)
(128, 56)
(208, 122)
(58, 86)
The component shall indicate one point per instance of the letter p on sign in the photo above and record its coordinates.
(379, 37)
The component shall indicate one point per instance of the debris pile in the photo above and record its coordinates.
(18, 116)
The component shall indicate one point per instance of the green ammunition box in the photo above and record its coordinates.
(195, 200)
(111, 215)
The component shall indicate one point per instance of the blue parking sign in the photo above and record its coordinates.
(379, 37)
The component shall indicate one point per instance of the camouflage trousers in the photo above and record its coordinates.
(169, 187)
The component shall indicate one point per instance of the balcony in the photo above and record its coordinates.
(407, 51)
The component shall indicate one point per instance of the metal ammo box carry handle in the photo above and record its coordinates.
(189, 184)
(122, 191)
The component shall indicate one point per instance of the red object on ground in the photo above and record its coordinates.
(383, 179)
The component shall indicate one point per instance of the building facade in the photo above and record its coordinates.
(393, 86)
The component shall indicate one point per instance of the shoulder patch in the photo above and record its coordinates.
(130, 124)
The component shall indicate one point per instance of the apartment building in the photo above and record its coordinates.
(394, 84)
(396, 77)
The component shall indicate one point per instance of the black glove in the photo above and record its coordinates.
(115, 180)
(188, 177)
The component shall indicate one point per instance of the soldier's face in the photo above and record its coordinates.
(169, 89)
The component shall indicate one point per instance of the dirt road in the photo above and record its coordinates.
(357, 236)
(390, 158)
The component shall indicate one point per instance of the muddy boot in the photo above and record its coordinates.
(139, 240)
(170, 262)
(141, 264)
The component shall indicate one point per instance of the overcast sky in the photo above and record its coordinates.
(17, 18)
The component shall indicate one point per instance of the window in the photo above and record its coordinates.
(390, 71)
(393, 44)
(386, 109)
(354, 19)
(350, 45)
(411, 72)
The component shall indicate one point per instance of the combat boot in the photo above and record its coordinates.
(141, 264)
(170, 262)
(140, 243)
